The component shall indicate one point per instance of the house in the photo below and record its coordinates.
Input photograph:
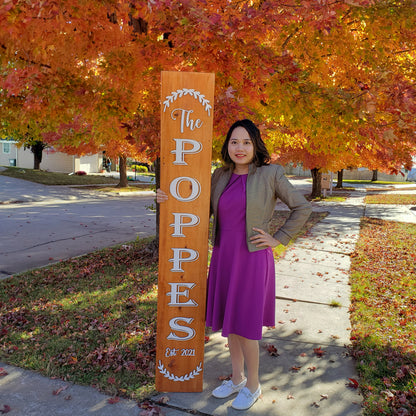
(52, 160)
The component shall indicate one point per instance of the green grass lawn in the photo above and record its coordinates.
(398, 199)
(97, 183)
(383, 315)
(89, 320)
(55, 178)
(374, 182)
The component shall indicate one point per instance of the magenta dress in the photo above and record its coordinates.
(241, 284)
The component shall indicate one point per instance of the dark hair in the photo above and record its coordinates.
(261, 155)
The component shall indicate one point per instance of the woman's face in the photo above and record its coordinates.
(240, 148)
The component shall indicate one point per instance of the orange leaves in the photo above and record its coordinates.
(319, 352)
(325, 89)
(271, 349)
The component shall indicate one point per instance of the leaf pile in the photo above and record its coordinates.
(89, 320)
(383, 314)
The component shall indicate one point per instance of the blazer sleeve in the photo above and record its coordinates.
(300, 208)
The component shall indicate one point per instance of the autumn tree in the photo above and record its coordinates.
(91, 71)
(313, 74)
(352, 101)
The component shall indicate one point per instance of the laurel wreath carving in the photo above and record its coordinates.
(186, 377)
(174, 95)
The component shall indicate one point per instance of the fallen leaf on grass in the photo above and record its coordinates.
(295, 369)
(324, 397)
(223, 378)
(274, 388)
(312, 369)
(3, 372)
(290, 396)
(314, 404)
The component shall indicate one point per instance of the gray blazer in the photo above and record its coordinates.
(265, 185)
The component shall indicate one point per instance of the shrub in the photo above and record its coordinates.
(138, 168)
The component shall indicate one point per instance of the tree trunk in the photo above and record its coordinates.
(340, 177)
(36, 161)
(316, 183)
(123, 172)
(37, 150)
(375, 175)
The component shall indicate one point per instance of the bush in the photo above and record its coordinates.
(138, 168)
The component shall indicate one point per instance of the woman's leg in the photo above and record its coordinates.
(250, 348)
(237, 358)
(243, 350)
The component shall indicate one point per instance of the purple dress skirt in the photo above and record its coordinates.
(241, 284)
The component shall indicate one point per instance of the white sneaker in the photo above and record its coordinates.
(245, 399)
(228, 388)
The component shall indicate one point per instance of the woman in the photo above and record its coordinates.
(241, 280)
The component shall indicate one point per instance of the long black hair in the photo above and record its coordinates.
(261, 155)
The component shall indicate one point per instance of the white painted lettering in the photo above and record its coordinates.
(180, 150)
(195, 189)
(179, 223)
(173, 323)
(175, 294)
(178, 259)
(186, 121)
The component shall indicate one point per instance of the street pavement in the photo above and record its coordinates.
(312, 276)
(42, 224)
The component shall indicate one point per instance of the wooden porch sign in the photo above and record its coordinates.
(186, 141)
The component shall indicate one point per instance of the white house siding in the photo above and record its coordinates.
(51, 160)
(57, 161)
(89, 164)
(8, 153)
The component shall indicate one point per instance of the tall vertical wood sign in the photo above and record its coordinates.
(186, 141)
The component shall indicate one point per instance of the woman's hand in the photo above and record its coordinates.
(161, 196)
(263, 239)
